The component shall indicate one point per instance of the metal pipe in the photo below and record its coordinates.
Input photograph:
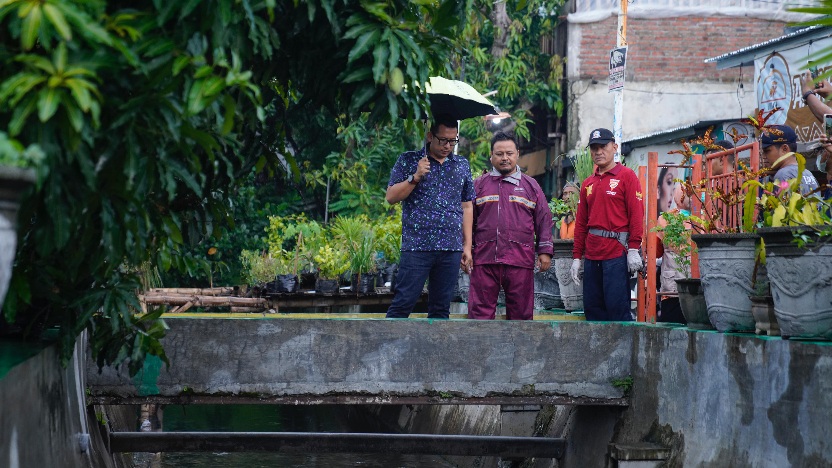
(326, 442)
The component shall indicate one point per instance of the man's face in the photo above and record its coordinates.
(716, 166)
(603, 155)
(504, 157)
(772, 153)
(442, 143)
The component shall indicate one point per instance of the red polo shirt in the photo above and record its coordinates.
(611, 201)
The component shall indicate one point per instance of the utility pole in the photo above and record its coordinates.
(621, 41)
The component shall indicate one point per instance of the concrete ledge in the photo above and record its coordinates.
(384, 359)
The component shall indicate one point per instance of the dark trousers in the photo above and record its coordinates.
(607, 290)
(440, 268)
(486, 280)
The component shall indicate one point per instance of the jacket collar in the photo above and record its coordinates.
(513, 178)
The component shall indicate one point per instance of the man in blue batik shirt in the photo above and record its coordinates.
(436, 191)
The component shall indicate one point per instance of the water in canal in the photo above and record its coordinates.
(274, 418)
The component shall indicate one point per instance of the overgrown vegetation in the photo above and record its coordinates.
(149, 114)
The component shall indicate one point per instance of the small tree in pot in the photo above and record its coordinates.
(331, 261)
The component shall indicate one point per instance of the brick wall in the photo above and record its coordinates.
(673, 48)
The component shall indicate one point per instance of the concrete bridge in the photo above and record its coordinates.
(707, 398)
(379, 361)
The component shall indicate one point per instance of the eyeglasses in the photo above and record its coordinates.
(446, 141)
(507, 154)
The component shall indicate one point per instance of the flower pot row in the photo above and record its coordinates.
(800, 278)
(365, 284)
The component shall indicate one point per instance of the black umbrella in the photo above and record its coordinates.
(456, 99)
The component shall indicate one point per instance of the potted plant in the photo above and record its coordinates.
(297, 239)
(16, 177)
(262, 270)
(331, 262)
(797, 236)
(359, 241)
(388, 235)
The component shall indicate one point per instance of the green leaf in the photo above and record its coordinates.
(360, 74)
(20, 114)
(362, 45)
(358, 30)
(80, 92)
(58, 20)
(188, 8)
(73, 113)
(228, 116)
(48, 99)
(380, 54)
(179, 63)
(30, 27)
(361, 97)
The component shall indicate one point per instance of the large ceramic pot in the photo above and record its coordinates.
(801, 282)
(726, 264)
(692, 302)
(571, 294)
(13, 182)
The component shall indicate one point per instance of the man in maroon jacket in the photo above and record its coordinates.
(608, 232)
(512, 229)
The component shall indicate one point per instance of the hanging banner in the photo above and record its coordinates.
(618, 61)
(777, 81)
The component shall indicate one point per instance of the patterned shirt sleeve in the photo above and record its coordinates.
(397, 174)
(468, 192)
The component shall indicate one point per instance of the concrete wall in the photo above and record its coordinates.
(380, 357)
(43, 418)
(714, 399)
(654, 106)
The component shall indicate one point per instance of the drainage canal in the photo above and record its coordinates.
(269, 418)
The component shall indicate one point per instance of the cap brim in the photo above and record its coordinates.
(599, 140)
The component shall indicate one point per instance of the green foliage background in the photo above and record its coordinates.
(165, 129)
(151, 113)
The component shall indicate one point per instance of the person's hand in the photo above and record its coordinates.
(467, 262)
(824, 88)
(422, 169)
(826, 144)
(634, 261)
(577, 270)
(545, 261)
(807, 83)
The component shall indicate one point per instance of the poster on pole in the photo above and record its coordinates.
(618, 61)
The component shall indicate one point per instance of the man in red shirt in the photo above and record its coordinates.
(608, 231)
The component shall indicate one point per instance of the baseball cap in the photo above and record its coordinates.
(777, 135)
(601, 136)
(724, 144)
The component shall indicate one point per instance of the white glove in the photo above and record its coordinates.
(577, 270)
(634, 261)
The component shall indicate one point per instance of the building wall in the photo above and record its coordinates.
(668, 84)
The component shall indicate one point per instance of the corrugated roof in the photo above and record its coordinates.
(669, 134)
(746, 55)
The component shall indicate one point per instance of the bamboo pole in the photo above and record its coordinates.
(220, 291)
(205, 301)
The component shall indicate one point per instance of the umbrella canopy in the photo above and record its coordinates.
(456, 99)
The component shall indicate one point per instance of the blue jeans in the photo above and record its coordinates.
(607, 290)
(441, 268)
